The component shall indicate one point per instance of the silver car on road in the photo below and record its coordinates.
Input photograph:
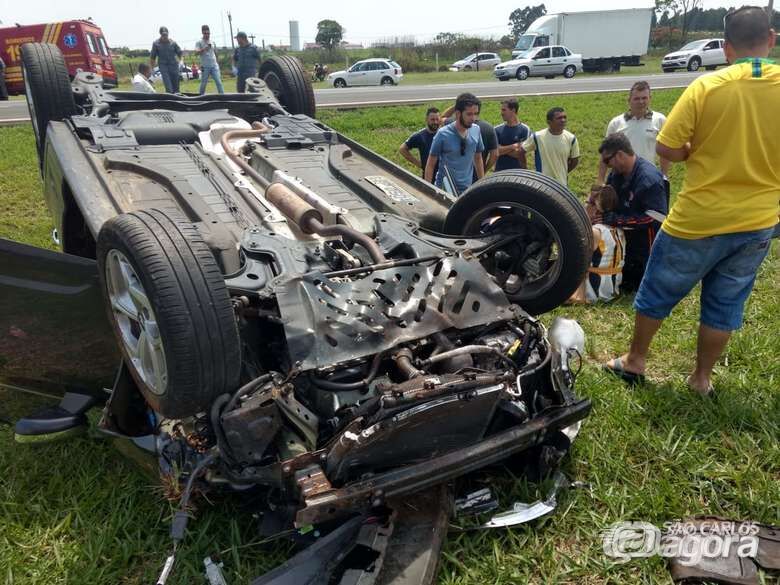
(541, 62)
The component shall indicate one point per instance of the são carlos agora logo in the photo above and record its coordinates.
(70, 40)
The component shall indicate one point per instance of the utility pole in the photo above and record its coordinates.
(230, 21)
(770, 10)
(253, 38)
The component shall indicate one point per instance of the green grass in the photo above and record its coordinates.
(80, 512)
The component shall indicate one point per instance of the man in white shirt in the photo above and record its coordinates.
(141, 79)
(641, 126)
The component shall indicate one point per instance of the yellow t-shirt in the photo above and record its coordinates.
(552, 153)
(732, 183)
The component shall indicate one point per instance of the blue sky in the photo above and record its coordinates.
(135, 24)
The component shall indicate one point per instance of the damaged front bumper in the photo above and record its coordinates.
(333, 503)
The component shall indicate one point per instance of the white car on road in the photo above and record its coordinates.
(368, 72)
(481, 61)
(540, 62)
(706, 53)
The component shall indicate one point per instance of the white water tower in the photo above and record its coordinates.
(295, 36)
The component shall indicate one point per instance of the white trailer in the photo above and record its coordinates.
(606, 39)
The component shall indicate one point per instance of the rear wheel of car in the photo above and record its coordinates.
(339, 83)
(569, 71)
(387, 81)
(522, 73)
(546, 235)
(47, 85)
(694, 64)
(285, 76)
(170, 311)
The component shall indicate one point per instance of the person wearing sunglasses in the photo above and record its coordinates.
(641, 203)
(209, 66)
(457, 148)
(726, 129)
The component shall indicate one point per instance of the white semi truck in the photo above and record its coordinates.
(606, 39)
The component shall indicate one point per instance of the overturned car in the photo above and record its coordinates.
(272, 306)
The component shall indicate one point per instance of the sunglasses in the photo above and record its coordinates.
(462, 146)
(606, 160)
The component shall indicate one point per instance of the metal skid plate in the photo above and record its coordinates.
(328, 321)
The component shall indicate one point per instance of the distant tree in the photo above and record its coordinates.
(329, 34)
(507, 42)
(449, 39)
(682, 10)
(521, 18)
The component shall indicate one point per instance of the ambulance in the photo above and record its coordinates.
(81, 41)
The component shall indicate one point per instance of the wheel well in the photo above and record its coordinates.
(75, 237)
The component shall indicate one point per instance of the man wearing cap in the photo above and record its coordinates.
(245, 61)
(167, 53)
(209, 66)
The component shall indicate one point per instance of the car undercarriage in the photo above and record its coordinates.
(298, 316)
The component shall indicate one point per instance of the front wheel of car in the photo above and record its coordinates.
(467, 68)
(47, 85)
(339, 83)
(168, 305)
(387, 81)
(694, 64)
(544, 242)
(522, 73)
(569, 71)
(286, 78)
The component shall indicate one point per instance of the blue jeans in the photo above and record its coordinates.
(726, 266)
(213, 71)
(170, 77)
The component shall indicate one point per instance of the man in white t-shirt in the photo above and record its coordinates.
(641, 126)
(141, 79)
(555, 150)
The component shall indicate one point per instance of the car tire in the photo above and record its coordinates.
(569, 71)
(544, 211)
(522, 73)
(387, 81)
(694, 64)
(161, 281)
(339, 83)
(47, 85)
(467, 68)
(285, 76)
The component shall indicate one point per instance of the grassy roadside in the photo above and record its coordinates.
(80, 512)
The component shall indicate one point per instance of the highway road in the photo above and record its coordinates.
(351, 97)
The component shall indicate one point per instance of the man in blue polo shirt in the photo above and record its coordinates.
(511, 135)
(641, 205)
(458, 147)
(422, 140)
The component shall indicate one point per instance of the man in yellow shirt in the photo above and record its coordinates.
(555, 149)
(719, 230)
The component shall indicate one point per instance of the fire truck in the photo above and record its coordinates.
(81, 41)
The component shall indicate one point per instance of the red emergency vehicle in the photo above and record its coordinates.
(81, 41)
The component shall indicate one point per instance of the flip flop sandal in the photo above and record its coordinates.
(616, 369)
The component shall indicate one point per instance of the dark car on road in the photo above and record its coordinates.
(264, 304)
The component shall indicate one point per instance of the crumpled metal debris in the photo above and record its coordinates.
(521, 512)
